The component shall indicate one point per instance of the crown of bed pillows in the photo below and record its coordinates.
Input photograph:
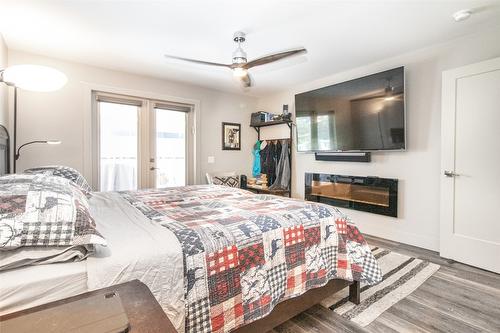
(46, 208)
(64, 172)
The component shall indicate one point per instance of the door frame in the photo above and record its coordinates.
(89, 127)
(448, 148)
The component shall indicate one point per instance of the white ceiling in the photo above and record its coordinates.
(132, 35)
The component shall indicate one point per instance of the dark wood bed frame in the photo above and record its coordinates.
(146, 315)
(292, 307)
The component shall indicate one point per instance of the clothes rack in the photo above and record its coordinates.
(289, 123)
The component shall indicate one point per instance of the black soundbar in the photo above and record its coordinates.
(344, 157)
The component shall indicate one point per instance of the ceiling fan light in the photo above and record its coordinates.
(239, 72)
(462, 15)
(35, 77)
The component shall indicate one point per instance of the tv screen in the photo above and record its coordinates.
(364, 114)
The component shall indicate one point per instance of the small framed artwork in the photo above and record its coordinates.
(231, 136)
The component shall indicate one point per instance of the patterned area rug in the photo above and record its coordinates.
(402, 275)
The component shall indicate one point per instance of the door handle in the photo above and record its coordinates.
(450, 174)
(153, 168)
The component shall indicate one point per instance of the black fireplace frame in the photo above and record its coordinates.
(389, 183)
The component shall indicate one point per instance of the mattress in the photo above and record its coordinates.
(137, 249)
(34, 285)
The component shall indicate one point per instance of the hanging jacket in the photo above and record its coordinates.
(263, 156)
(271, 162)
(276, 158)
(268, 162)
(256, 159)
(278, 152)
(283, 171)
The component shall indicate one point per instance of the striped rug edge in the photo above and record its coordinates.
(381, 299)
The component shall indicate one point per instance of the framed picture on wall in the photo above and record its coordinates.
(231, 136)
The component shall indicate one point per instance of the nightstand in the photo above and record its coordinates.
(143, 311)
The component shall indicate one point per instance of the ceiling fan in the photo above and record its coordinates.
(240, 65)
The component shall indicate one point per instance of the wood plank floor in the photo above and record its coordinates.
(457, 298)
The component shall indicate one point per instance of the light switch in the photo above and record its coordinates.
(211, 159)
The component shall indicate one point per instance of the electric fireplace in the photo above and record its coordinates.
(370, 194)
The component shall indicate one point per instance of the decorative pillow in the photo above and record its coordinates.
(43, 211)
(231, 181)
(65, 172)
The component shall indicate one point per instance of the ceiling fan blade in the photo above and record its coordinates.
(274, 57)
(200, 62)
(246, 81)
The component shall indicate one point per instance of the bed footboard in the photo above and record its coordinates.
(292, 307)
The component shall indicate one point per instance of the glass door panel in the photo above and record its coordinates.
(170, 152)
(118, 146)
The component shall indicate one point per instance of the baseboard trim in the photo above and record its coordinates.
(416, 240)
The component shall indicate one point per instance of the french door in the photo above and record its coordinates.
(169, 142)
(141, 143)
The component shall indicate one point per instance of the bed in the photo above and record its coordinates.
(217, 259)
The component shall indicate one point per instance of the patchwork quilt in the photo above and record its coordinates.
(244, 253)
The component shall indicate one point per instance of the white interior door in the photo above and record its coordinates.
(470, 186)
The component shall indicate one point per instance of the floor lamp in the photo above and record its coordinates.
(31, 78)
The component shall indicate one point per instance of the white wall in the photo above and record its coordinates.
(61, 115)
(418, 169)
(3, 88)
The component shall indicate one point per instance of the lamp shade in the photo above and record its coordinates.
(35, 77)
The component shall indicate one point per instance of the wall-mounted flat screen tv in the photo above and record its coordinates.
(365, 114)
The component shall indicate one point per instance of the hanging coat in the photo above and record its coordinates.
(263, 156)
(283, 171)
(268, 163)
(256, 159)
(271, 162)
(277, 154)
